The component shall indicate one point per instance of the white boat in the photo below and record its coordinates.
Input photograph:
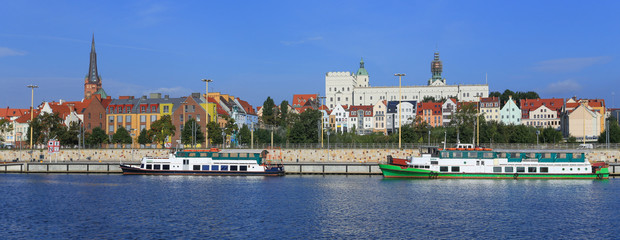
(209, 162)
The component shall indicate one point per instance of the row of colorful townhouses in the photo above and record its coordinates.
(134, 114)
(574, 117)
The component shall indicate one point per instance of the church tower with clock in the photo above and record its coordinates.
(92, 82)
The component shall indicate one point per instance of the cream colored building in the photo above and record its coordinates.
(583, 121)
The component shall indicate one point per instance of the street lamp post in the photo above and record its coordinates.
(183, 122)
(207, 81)
(328, 156)
(32, 87)
(223, 139)
(400, 98)
(322, 120)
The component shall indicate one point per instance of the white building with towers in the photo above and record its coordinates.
(345, 88)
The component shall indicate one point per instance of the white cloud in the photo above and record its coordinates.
(289, 43)
(565, 87)
(569, 64)
(5, 52)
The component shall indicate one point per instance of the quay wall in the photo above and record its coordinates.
(127, 155)
(287, 155)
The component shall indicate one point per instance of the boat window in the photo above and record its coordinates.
(427, 167)
(443, 169)
(205, 167)
(185, 161)
(224, 155)
(477, 163)
(434, 162)
(233, 167)
(546, 155)
(444, 154)
(508, 169)
(165, 167)
(156, 166)
(149, 166)
(243, 155)
(216, 155)
(457, 154)
(234, 155)
(243, 168)
(515, 155)
(141, 165)
(456, 169)
(224, 168)
(482, 163)
(215, 167)
(192, 154)
(531, 169)
(196, 168)
(561, 155)
(530, 155)
(544, 169)
(503, 155)
(488, 155)
(497, 169)
(520, 169)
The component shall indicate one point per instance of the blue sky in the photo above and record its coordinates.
(255, 49)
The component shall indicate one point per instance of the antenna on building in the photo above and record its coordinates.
(486, 78)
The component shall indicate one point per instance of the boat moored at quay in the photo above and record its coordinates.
(467, 161)
(209, 162)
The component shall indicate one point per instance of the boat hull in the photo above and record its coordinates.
(129, 170)
(397, 171)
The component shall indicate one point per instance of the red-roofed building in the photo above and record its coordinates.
(490, 108)
(430, 112)
(10, 113)
(542, 113)
(361, 118)
(301, 102)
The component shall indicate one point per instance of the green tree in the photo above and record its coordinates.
(269, 116)
(215, 133)
(282, 120)
(191, 131)
(162, 129)
(144, 137)
(245, 136)
(69, 135)
(96, 137)
(614, 132)
(121, 136)
(550, 135)
(45, 127)
(306, 129)
(5, 127)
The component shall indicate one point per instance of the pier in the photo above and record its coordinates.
(113, 168)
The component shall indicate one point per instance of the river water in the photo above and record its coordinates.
(52, 206)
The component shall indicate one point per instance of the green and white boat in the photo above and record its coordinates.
(467, 161)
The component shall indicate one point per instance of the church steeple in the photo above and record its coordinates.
(436, 70)
(93, 74)
(362, 70)
(92, 82)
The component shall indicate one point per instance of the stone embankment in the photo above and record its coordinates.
(287, 155)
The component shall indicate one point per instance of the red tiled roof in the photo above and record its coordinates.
(246, 106)
(435, 107)
(366, 108)
(26, 117)
(527, 105)
(490, 100)
(11, 112)
(301, 99)
(221, 111)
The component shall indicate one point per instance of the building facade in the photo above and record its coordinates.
(510, 113)
(354, 89)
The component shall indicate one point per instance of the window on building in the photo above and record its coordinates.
(166, 109)
(119, 119)
(128, 119)
(111, 128)
(142, 118)
(153, 118)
